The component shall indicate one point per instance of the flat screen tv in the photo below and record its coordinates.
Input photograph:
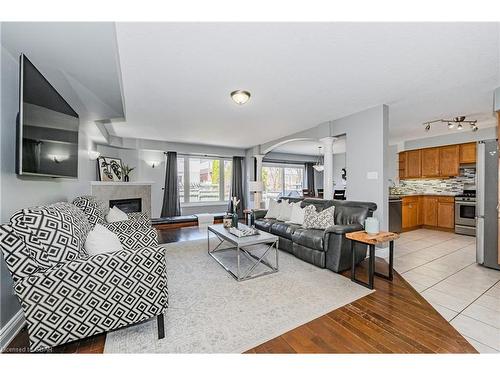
(47, 128)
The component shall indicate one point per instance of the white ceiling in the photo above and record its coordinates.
(177, 77)
(310, 147)
(82, 56)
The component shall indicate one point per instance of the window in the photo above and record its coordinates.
(202, 179)
(282, 180)
(180, 178)
(228, 178)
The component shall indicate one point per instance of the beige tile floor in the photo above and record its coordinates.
(441, 266)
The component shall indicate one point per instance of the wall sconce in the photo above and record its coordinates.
(93, 155)
(153, 163)
(57, 158)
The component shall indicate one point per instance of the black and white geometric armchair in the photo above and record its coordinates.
(68, 295)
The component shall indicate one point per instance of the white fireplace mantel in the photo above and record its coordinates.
(110, 190)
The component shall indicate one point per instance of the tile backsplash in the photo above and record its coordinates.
(453, 185)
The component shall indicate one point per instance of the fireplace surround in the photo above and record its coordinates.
(127, 196)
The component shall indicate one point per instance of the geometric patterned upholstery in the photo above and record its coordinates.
(17, 256)
(82, 298)
(60, 228)
(67, 295)
(95, 210)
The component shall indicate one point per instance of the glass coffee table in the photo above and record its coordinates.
(246, 257)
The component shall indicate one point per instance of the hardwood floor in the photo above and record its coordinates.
(393, 319)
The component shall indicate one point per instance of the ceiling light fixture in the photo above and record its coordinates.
(319, 167)
(240, 97)
(458, 121)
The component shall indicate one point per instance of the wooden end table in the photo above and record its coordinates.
(371, 240)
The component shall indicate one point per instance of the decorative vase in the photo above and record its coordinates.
(234, 220)
(126, 178)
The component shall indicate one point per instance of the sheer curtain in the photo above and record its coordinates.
(237, 185)
(171, 203)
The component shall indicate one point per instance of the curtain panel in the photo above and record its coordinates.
(171, 202)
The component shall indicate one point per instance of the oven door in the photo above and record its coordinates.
(465, 213)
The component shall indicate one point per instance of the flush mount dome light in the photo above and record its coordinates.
(240, 97)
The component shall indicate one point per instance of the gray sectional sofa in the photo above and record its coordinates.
(324, 248)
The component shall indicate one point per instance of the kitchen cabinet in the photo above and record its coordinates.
(430, 162)
(413, 164)
(449, 159)
(402, 164)
(436, 162)
(410, 212)
(468, 153)
(430, 211)
(446, 212)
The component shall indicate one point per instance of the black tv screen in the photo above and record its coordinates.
(47, 133)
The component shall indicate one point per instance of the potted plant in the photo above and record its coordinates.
(126, 169)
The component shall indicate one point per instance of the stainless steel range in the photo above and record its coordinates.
(465, 212)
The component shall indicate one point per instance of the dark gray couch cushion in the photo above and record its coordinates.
(283, 229)
(312, 238)
(264, 224)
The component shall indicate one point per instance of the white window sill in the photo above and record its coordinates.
(208, 203)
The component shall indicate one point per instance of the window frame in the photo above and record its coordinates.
(187, 180)
(283, 166)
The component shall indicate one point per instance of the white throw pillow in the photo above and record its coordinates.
(285, 210)
(318, 220)
(297, 216)
(274, 210)
(115, 214)
(102, 240)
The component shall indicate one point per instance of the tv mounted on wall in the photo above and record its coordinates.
(47, 128)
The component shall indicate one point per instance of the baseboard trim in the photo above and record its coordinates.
(11, 329)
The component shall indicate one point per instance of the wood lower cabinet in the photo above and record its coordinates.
(430, 162)
(449, 160)
(446, 212)
(410, 212)
(429, 211)
(468, 153)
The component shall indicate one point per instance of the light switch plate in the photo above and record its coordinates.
(372, 175)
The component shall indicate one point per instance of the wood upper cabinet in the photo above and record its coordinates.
(449, 159)
(413, 164)
(446, 212)
(402, 165)
(430, 214)
(430, 162)
(468, 153)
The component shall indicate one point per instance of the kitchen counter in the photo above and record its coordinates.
(442, 194)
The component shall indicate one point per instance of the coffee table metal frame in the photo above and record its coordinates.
(240, 245)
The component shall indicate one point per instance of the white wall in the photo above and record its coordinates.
(367, 143)
(18, 192)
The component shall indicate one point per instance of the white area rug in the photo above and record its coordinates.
(210, 312)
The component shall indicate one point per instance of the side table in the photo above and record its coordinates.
(371, 240)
